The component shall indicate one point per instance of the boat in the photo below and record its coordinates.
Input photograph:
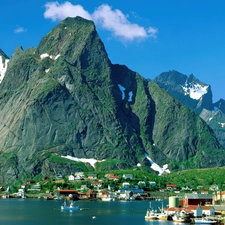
(70, 207)
(204, 220)
(162, 215)
(178, 218)
(151, 214)
(108, 199)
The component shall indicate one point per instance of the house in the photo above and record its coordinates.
(219, 196)
(97, 184)
(80, 174)
(103, 194)
(70, 193)
(58, 176)
(204, 192)
(126, 194)
(171, 186)
(213, 188)
(186, 188)
(71, 178)
(171, 210)
(196, 210)
(114, 177)
(128, 176)
(219, 209)
(20, 192)
(92, 176)
(78, 178)
(24, 186)
(109, 175)
(208, 210)
(91, 194)
(36, 187)
(197, 199)
(152, 183)
(126, 185)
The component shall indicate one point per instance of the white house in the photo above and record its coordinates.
(208, 210)
(128, 176)
(71, 178)
(80, 174)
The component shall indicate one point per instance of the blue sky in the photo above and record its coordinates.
(148, 36)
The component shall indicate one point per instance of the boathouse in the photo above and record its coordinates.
(197, 199)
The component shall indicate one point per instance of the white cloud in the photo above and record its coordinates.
(56, 11)
(20, 29)
(153, 31)
(104, 16)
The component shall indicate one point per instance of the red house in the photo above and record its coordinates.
(197, 199)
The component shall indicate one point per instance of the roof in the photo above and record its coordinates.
(171, 185)
(192, 207)
(68, 191)
(199, 196)
(206, 207)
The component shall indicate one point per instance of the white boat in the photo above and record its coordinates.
(108, 199)
(204, 220)
(162, 216)
(70, 207)
(178, 219)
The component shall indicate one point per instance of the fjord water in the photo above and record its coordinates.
(43, 212)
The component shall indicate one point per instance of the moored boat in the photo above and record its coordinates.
(204, 220)
(108, 199)
(178, 219)
(70, 207)
(151, 215)
(162, 216)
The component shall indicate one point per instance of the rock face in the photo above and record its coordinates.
(65, 97)
(197, 96)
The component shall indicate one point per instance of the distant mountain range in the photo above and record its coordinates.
(66, 98)
(197, 96)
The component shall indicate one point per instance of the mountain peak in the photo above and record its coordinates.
(188, 89)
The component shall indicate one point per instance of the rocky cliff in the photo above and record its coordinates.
(65, 97)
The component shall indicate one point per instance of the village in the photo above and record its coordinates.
(184, 202)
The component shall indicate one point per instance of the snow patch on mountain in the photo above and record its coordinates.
(45, 55)
(195, 91)
(221, 124)
(91, 161)
(3, 67)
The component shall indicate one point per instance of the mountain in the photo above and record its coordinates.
(197, 96)
(66, 98)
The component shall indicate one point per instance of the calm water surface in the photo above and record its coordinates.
(43, 212)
